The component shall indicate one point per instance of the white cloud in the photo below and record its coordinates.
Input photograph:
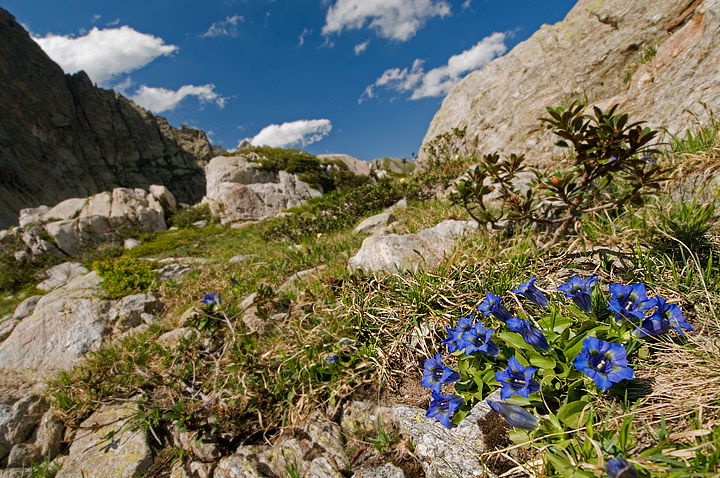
(439, 81)
(96, 17)
(224, 28)
(361, 47)
(302, 36)
(113, 23)
(395, 19)
(466, 4)
(301, 132)
(158, 100)
(106, 53)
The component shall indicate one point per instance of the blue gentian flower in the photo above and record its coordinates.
(454, 341)
(530, 334)
(629, 302)
(665, 316)
(478, 339)
(603, 362)
(618, 467)
(531, 293)
(517, 379)
(211, 300)
(492, 304)
(580, 291)
(332, 359)
(515, 415)
(436, 374)
(443, 406)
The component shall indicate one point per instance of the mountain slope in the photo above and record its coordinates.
(62, 137)
(657, 59)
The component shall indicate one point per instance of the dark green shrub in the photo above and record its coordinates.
(125, 276)
(186, 217)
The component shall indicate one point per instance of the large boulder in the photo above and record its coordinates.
(238, 191)
(64, 325)
(354, 165)
(427, 248)
(658, 59)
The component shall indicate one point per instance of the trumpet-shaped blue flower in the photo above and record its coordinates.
(531, 293)
(478, 339)
(212, 300)
(579, 290)
(603, 362)
(436, 374)
(665, 316)
(517, 379)
(629, 302)
(515, 415)
(332, 359)
(530, 334)
(443, 406)
(618, 467)
(455, 341)
(492, 304)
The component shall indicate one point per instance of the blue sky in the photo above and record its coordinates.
(360, 77)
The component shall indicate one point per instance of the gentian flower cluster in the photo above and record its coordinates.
(618, 467)
(604, 362)
(212, 300)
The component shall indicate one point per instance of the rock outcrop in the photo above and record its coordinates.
(238, 191)
(426, 249)
(657, 59)
(62, 137)
(66, 228)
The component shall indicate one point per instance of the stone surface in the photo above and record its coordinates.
(205, 449)
(19, 415)
(445, 451)
(131, 243)
(128, 312)
(60, 275)
(301, 276)
(7, 325)
(388, 470)
(23, 455)
(237, 466)
(105, 448)
(354, 165)
(49, 434)
(596, 51)
(359, 417)
(393, 165)
(66, 324)
(164, 196)
(375, 223)
(315, 448)
(236, 191)
(396, 252)
(61, 137)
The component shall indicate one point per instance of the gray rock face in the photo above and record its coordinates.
(18, 418)
(65, 325)
(602, 49)
(387, 470)
(90, 221)
(236, 191)
(236, 466)
(445, 452)
(360, 168)
(375, 223)
(58, 276)
(61, 137)
(104, 448)
(396, 252)
(130, 311)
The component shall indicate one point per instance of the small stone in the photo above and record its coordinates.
(131, 243)
(60, 275)
(240, 258)
(236, 466)
(388, 470)
(23, 455)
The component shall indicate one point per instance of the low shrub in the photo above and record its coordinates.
(125, 276)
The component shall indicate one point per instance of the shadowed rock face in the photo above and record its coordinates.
(602, 50)
(62, 137)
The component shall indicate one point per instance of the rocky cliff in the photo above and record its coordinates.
(657, 58)
(62, 137)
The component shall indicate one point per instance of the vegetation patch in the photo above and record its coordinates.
(125, 276)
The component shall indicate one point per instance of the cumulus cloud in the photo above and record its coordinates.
(361, 47)
(438, 81)
(302, 36)
(105, 53)
(224, 28)
(301, 132)
(158, 100)
(395, 19)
